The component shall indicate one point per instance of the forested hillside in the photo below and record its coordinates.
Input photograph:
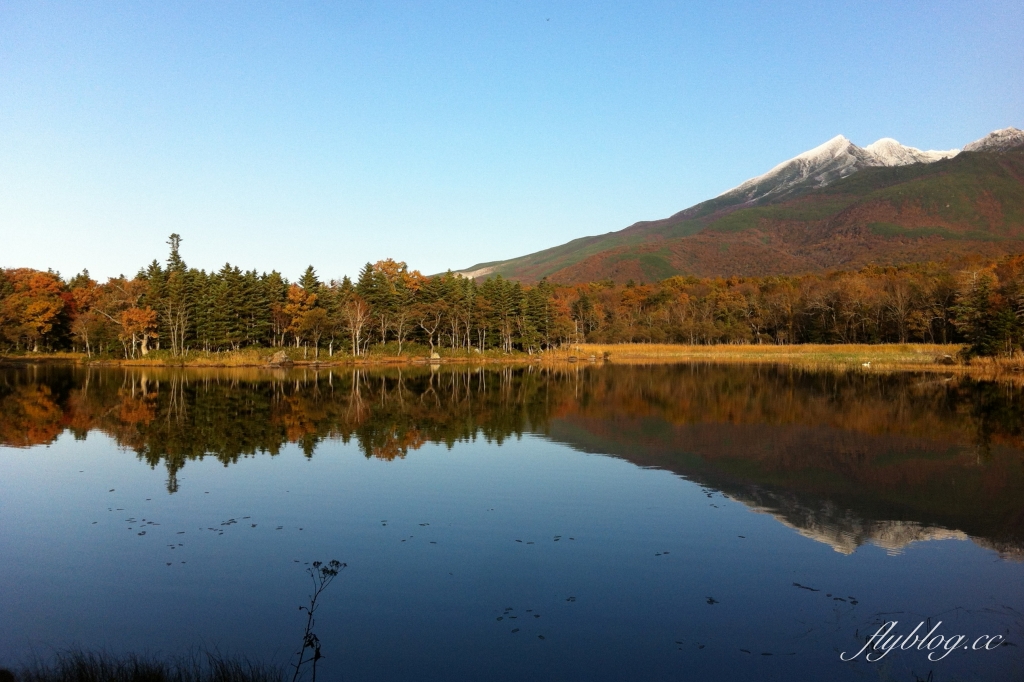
(177, 310)
(972, 203)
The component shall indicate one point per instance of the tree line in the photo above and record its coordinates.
(179, 310)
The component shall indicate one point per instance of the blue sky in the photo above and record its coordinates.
(277, 135)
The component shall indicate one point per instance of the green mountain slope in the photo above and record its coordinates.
(972, 203)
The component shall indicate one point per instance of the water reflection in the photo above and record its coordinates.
(845, 459)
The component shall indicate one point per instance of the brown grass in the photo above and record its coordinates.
(922, 357)
(241, 358)
(876, 354)
(61, 356)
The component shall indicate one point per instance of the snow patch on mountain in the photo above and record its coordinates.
(889, 152)
(826, 163)
(816, 167)
(479, 272)
(998, 141)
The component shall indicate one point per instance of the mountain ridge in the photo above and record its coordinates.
(835, 159)
(836, 205)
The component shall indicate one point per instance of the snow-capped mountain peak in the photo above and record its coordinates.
(829, 150)
(997, 141)
(828, 162)
(889, 152)
(816, 167)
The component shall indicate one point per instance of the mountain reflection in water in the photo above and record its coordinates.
(843, 458)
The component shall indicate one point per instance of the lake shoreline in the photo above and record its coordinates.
(866, 357)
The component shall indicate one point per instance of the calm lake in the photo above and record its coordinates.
(600, 523)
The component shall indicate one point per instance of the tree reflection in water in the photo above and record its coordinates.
(845, 458)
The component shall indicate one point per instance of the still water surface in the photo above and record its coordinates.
(606, 523)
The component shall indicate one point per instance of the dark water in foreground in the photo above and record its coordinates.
(609, 523)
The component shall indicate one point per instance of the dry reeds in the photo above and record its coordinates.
(81, 666)
(921, 357)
